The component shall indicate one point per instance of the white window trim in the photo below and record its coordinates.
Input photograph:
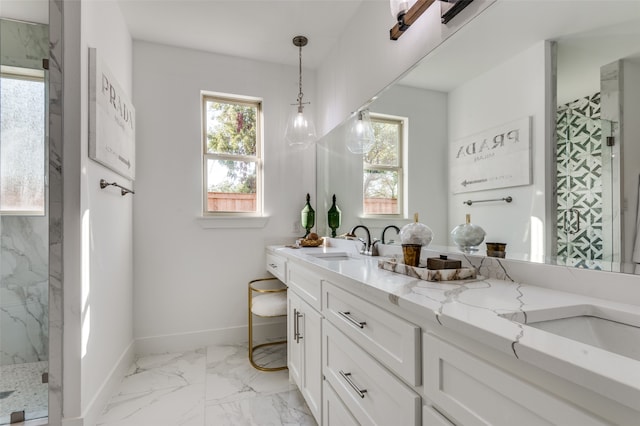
(214, 220)
(403, 184)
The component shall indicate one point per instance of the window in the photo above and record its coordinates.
(383, 174)
(232, 155)
(22, 141)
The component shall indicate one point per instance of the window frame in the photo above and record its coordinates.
(401, 168)
(257, 158)
(37, 75)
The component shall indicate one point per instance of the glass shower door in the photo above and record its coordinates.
(24, 230)
(580, 183)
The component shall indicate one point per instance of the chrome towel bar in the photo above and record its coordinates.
(124, 191)
(506, 199)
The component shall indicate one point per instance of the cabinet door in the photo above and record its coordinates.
(294, 345)
(313, 360)
(305, 352)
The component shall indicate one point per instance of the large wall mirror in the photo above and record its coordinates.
(566, 74)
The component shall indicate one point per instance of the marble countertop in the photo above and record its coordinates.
(481, 308)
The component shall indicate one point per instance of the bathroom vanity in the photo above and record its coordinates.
(369, 346)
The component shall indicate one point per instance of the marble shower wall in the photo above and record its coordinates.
(24, 240)
(24, 288)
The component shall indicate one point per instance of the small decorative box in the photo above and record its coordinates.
(443, 263)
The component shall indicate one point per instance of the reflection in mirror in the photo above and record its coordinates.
(580, 208)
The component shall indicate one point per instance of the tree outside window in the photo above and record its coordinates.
(232, 163)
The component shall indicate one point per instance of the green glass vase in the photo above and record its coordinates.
(334, 216)
(307, 217)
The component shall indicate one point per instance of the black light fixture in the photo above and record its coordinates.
(300, 131)
(408, 11)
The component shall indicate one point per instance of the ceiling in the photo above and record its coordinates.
(256, 29)
(511, 26)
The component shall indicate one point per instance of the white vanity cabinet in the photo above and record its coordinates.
(472, 391)
(304, 338)
(369, 357)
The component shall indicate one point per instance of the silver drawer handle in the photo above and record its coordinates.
(347, 377)
(298, 335)
(273, 265)
(346, 315)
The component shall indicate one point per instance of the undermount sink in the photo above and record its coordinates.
(608, 329)
(335, 255)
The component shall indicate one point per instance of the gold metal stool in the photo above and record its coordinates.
(271, 302)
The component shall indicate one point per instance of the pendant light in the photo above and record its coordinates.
(300, 132)
(361, 137)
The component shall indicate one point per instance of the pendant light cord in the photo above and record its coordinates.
(300, 94)
(300, 41)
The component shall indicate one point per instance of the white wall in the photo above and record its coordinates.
(191, 283)
(630, 152)
(98, 261)
(512, 90)
(365, 60)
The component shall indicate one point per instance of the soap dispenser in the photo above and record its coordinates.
(468, 236)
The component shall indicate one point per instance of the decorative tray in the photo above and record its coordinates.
(394, 265)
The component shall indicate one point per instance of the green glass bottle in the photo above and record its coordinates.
(307, 217)
(334, 216)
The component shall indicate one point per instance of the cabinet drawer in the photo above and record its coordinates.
(306, 283)
(334, 412)
(277, 265)
(369, 391)
(390, 339)
(470, 390)
(431, 417)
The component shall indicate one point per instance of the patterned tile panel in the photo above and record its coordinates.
(579, 179)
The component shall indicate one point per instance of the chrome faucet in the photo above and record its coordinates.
(385, 230)
(366, 249)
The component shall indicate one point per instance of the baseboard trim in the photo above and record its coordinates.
(180, 342)
(108, 388)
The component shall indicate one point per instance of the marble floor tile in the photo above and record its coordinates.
(169, 406)
(212, 386)
(231, 377)
(164, 371)
(284, 408)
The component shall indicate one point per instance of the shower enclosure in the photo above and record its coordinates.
(584, 205)
(24, 227)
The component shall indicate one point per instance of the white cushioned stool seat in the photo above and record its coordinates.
(270, 305)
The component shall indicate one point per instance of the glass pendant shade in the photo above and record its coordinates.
(400, 7)
(300, 131)
(361, 137)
